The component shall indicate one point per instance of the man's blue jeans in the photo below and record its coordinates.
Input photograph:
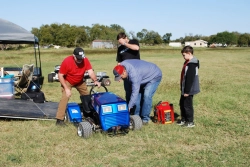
(145, 98)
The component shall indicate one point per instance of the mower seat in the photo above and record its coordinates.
(22, 84)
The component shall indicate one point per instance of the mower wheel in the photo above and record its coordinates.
(50, 77)
(135, 122)
(84, 129)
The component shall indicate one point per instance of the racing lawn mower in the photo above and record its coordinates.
(101, 76)
(53, 76)
(102, 112)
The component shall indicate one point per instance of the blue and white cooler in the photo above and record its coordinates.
(7, 87)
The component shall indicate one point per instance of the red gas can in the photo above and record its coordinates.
(164, 113)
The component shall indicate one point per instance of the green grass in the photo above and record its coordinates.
(220, 138)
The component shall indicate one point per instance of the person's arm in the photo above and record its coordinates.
(135, 80)
(128, 45)
(134, 95)
(132, 46)
(63, 83)
(93, 77)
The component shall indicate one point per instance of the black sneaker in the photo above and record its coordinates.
(60, 122)
(189, 125)
(180, 122)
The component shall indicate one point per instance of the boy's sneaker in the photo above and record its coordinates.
(180, 122)
(189, 125)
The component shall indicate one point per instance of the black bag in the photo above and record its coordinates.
(37, 97)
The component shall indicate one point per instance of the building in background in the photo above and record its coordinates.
(197, 43)
(102, 44)
(175, 44)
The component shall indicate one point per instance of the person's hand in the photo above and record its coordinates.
(186, 95)
(68, 93)
(122, 41)
(98, 84)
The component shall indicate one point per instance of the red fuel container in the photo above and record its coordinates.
(164, 112)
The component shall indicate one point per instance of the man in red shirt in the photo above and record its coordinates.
(70, 75)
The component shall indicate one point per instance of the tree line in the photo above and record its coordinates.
(71, 36)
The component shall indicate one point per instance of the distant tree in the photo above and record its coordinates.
(205, 38)
(132, 35)
(105, 32)
(157, 39)
(36, 32)
(117, 28)
(244, 40)
(67, 35)
(55, 29)
(142, 35)
(166, 37)
(182, 40)
(226, 38)
(212, 39)
(77, 36)
(97, 32)
(87, 30)
(197, 37)
(152, 38)
(45, 35)
(62, 35)
(188, 38)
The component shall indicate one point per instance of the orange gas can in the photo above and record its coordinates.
(164, 113)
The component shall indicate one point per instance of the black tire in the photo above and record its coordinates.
(84, 129)
(95, 89)
(50, 77)
(135, 122)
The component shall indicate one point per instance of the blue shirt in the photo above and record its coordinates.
(140, 72)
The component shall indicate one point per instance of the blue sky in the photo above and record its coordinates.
(179, 17)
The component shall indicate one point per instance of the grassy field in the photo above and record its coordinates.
(220, 137)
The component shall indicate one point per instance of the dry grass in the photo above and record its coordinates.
(220, 138)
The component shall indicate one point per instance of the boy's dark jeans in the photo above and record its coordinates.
(186, 107)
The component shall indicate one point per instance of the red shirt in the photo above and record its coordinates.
(74, 72)
(183, 70)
